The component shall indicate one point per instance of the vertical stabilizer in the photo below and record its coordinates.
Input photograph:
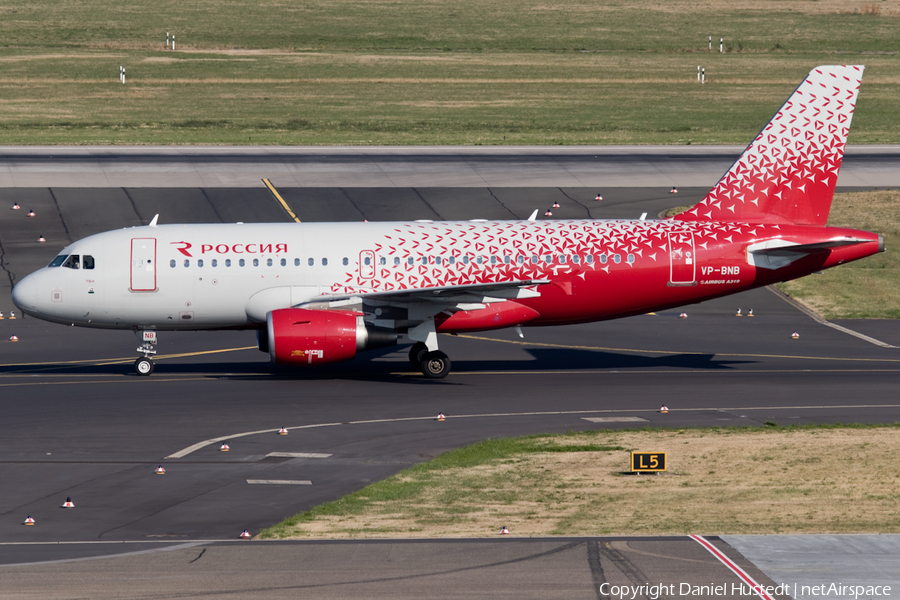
(788, 173)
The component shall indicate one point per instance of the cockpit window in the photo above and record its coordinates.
(58, 260)
(87, 262)
(72, 262)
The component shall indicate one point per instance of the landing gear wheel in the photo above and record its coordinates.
(416, 353)
(143, 366)
(435, 365)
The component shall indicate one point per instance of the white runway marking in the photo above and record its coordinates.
(279, 481)
(614, 419)
(298, 455)
(203, 444)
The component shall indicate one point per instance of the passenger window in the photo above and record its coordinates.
(367, 261)
(324, 262)
(187, 262)
(382, 261)
(520, 259)
(506, 259)
(562, 259)
(241, 262)
(311, 262)
(589, 258)
(172, 263)
(283, 262)
(465, 260)
(452, 260)
(548, 259)
(437, 260)
(479, 259)
(227, 262)
(617, 259)
(630, 258)
(345, 261)
(602, 259)
(87, 261)
(410, 261)
(493, 260)
(58, 260)
(269, 262)
(396, 261)
(199, 262)
(576, 259)
(296, 262)
(534, 259)
(214, 263)
(255, 262)
(71, 262)
(424, 260)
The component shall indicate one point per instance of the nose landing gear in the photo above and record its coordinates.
(143, 365)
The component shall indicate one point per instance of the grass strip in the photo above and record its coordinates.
(408, 72)
(771, 479)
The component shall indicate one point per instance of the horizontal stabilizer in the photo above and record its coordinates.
(775, 254)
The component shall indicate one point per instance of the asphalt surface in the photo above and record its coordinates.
(77, 423)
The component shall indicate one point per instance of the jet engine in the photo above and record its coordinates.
(298, 336)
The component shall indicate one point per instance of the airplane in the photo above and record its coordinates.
(318, 293)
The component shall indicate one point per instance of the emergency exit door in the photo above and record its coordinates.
(143, 264)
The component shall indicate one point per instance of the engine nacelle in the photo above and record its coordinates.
(297, 336)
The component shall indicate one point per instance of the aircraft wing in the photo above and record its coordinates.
(473, 292)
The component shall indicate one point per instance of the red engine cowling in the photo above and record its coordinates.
(298, 336)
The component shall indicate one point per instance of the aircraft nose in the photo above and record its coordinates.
(25, 294)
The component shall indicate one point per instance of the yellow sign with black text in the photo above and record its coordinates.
(648, 461)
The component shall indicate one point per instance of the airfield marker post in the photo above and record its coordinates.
(710, 43)
(173, 41)
(698, 73)
(167, 40)
(721, 44)
(703, 75)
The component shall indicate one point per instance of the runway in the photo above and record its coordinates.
(78, 424)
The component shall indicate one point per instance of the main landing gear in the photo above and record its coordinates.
(143, 365)
(434, 365)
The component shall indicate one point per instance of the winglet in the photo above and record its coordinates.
(788, 173)
(533, 216)
(155, 219)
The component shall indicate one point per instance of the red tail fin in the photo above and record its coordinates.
(788, 173)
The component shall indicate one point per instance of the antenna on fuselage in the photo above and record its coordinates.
(155, 219)
(533, 215)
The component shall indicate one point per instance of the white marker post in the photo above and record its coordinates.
(698, 73)
(721, 44)
(703, 75)
(173, 41)
(167, 40)
(710, 43)
(123, 75)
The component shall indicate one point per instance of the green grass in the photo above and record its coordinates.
(411, 72)
(868, 288)
(713, 472)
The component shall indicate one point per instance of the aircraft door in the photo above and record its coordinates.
(367, 264)
(143, 264)
(682, 259)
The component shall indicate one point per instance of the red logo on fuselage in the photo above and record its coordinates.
(187, 246)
